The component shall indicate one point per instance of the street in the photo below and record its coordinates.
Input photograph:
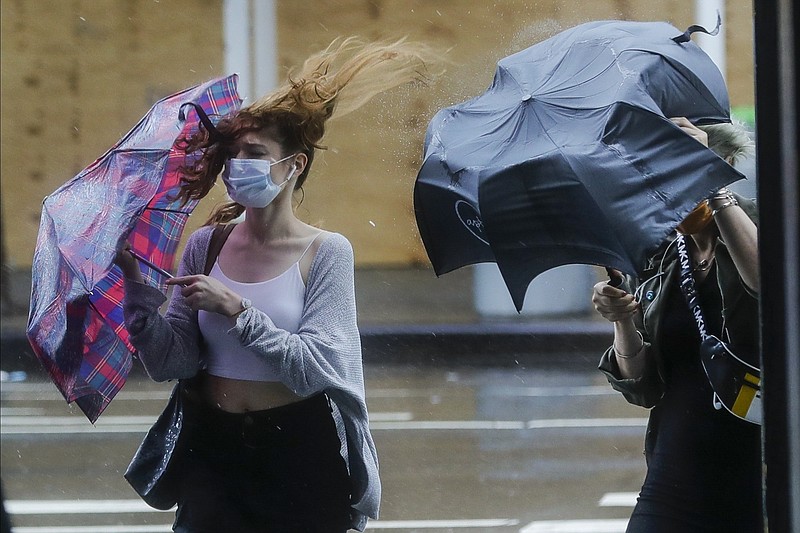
(546, 448)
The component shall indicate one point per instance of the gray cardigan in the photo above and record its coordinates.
(324, 354)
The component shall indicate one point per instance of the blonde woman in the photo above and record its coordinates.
(703, 464)
(278, 432)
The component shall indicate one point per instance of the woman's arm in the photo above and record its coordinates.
(629, 349)
(740, 235)
(628, 363)
(736, 229)
(169, 345)
(619, 307)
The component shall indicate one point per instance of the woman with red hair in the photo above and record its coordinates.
(276, 421)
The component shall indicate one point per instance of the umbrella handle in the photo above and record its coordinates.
(615, 279)
(213, 133)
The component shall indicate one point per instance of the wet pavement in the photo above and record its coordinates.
(542, 446)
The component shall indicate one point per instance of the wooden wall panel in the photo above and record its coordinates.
(77, 74)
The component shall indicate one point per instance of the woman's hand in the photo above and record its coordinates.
(691, 130)
(612, 303)
(207, 294)
(619, 307)
(128, 264)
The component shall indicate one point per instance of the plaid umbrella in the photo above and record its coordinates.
(75, 325)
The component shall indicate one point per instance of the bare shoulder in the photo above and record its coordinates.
(320, 239)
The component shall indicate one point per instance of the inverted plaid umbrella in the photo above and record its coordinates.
(75, 325)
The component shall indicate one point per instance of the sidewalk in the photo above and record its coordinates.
(405, 316)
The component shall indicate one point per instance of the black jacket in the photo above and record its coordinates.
(739, 313)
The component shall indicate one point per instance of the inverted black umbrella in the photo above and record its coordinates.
(569, 157)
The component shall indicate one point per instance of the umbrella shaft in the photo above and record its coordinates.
(151, 265)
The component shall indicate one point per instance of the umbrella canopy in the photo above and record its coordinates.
(569, 156)
(75, 325)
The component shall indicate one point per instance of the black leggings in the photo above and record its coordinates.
(263, 471)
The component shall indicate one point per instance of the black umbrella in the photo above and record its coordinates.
(569, 157)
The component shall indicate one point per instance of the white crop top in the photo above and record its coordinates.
(281, 298)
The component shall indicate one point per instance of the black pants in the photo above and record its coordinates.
(263, 471)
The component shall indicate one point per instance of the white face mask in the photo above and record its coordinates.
(249, 181)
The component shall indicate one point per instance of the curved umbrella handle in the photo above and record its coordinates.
(213, 133)
(615, 279)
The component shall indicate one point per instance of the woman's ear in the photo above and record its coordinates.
(301, 161)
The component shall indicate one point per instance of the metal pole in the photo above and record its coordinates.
(250, 40)
(776, 26)
(705, 14)
(236, 40)
(265, 47)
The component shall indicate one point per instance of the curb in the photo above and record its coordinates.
(493, 343)
(484, 343)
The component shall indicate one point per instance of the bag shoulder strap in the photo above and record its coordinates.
(218, 238)
(688, 287)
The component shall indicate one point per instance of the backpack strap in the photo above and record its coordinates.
(218, 238)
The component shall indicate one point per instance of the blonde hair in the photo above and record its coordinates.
(339, 79)
(345, 76)
(731, 142)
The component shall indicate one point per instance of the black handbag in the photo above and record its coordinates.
(736, 383)
(154, 471)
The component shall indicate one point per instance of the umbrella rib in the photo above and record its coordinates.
(585, 81)
(561, 150)
(167, 210)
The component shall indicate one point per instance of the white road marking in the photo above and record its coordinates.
(577, 526)
(440, 524)
(71, 425)
(138, 396)
(51, 395)
(77, 420)
(21, 411)
(42, 507)
(618, 499)
(165, 528)
(579, 390)
(388, 416)
(587, 423)
(379, 421)
(28, 420)
(76, 430)
(91, 507)
(510, 424)
(549, 526)
(372, 525)
(448, 425)
(549, 392)
(48, 392)
(28, 386)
